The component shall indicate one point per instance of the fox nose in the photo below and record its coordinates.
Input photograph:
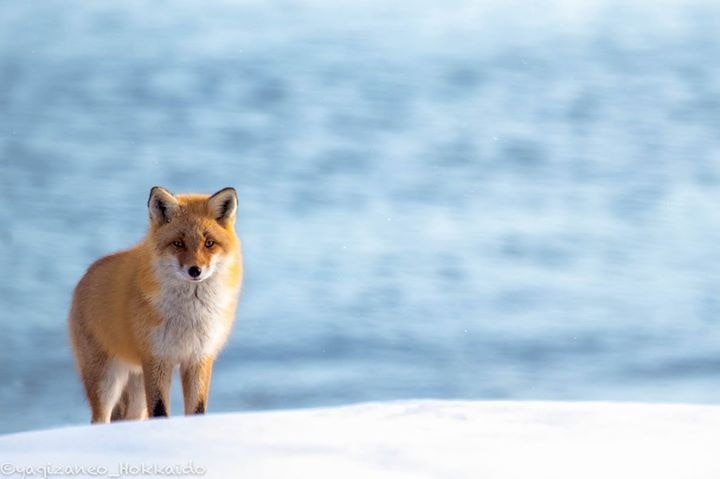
(194, 271)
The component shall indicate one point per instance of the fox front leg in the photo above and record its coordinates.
(196, 385)
(158, 378)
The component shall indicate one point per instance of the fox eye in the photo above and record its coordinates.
(209, 243)
(178, 244)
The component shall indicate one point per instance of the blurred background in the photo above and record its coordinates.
(459, 199)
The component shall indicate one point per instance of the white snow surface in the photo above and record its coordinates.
(407, 439)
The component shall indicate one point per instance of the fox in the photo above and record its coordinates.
(169, 301)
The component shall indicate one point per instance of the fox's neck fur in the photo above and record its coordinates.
(194, 315)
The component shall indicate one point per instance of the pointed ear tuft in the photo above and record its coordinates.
(223, 205)
(161, 205)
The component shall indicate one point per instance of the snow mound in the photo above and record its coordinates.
(409, 439)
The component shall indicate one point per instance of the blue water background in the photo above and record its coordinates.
(484, 200)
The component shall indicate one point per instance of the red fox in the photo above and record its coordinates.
(168, 301)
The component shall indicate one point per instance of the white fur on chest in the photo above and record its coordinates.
(194, 324)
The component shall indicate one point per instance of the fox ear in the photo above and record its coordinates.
(162, 205)
(223, 205)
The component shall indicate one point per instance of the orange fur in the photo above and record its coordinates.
(168, 301)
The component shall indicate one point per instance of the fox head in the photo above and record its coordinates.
(192, 236)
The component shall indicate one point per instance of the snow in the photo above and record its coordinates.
(408, 439)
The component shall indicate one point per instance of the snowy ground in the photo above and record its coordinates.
(410, 439)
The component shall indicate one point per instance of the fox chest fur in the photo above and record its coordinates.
(195, 319)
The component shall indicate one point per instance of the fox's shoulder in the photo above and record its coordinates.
(109, 260)
(112, 264)
(114, 259)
